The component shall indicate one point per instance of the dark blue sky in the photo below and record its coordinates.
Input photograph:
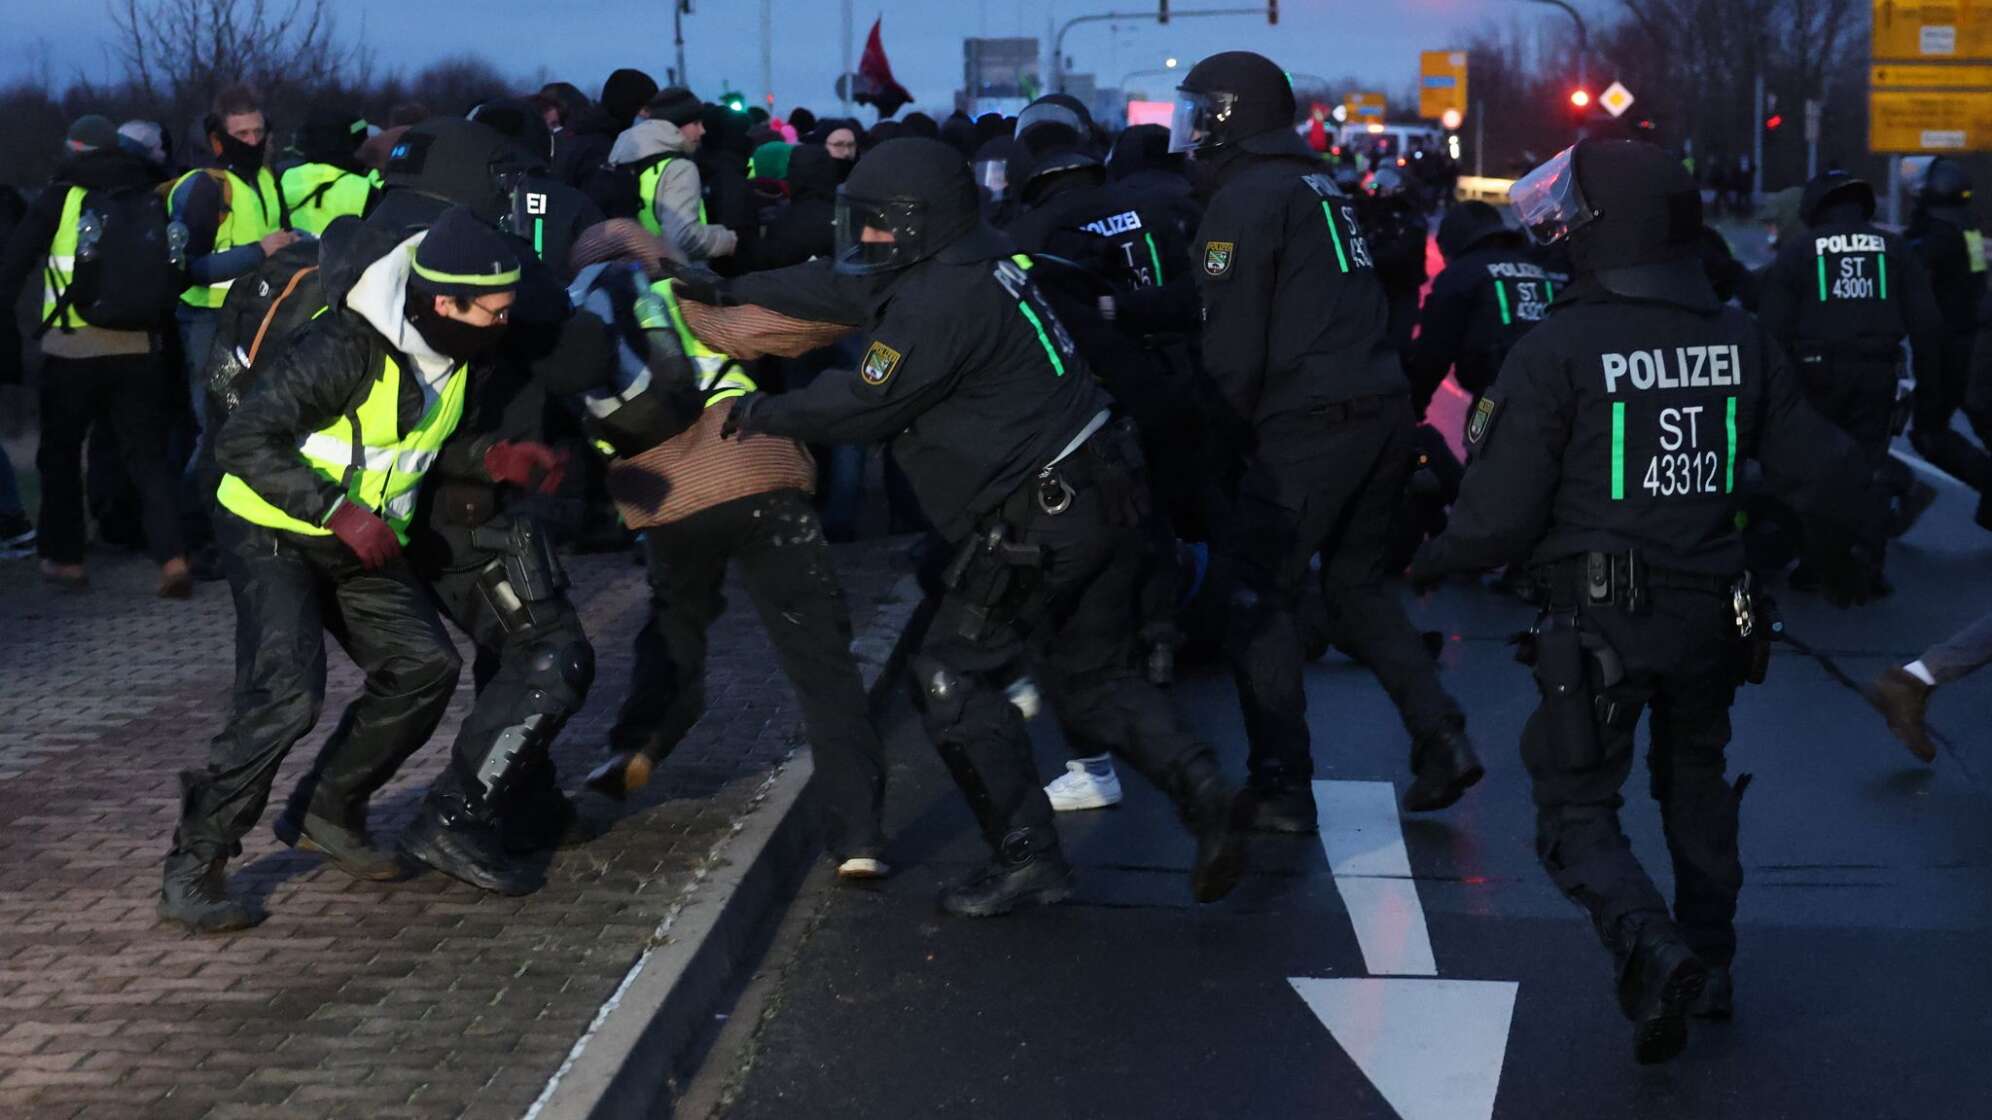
(581, 40)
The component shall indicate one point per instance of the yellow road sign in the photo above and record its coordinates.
(1616, 99)
(1910, 75)
(1441, 83)
(1908, 120)
(1933, 29)
(1365, 107)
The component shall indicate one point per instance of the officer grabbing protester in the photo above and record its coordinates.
(1294, 337)
(1013, 451)
(1607, 457)
(325, 457)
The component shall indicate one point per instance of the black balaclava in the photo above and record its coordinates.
(243, 159)
(1643, 244)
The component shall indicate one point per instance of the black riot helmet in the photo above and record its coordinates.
(1230, 98)
(1470, 225)
(1834, 189)
(1630, 214)
(1030, 172)
(919, 191)
(1946, 186)
(1143, 147)
(1056, 109)
(459, 161)
(521, 120)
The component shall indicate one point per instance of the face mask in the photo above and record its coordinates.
(240, 156)
(453, 338)
(843, 167)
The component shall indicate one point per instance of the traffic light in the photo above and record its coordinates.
(1273, 12)
(1162, 16)
(734, 101)
(1773, 122)
(1580, 98)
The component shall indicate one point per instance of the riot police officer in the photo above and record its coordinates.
(1607, 456)
(1392, 216)
(1944, 232)
(1841, 300)
(1487, 297)
(1293, 336)
(1011, 449)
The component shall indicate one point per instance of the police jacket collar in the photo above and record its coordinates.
(982, 243)
(1676, 283)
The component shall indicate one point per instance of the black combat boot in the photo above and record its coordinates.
(1212, 809)
(194, 892)
(1717, 1002)
(1027, 869)
(544, 820)
(1660, 978)
(452, 837)
(345, 846)
(1446, 768)
(1279, 807)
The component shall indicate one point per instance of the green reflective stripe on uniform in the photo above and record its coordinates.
(539, 238)
(1021, 260)
(1974, 249)
(248, 215)
(1822, 277)
(379, 467)
(61, 269)
(1501, 295)
(1548, 290)
(1618, 451)
(1341, 258)
(1044, 340)
(1882, 260)
(1729, 464)
(1154, 257)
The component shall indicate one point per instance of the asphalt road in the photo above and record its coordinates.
(1445, 978)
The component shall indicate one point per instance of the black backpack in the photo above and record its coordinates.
(618, 190)
(131, 262)
(262, 309)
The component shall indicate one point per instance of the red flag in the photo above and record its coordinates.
(875, 85)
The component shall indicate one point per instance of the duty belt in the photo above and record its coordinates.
(1619, 579)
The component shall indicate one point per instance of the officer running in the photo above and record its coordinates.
(1293, 335)
(1943, 231)
(1013, 452)
(1607, 456)
(1486, 298)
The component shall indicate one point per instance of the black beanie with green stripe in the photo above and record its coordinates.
(462, 256)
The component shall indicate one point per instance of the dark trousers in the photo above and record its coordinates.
(1683, 661)
(290, 592)
(1070, 620)
(1336, 489)
(127, 393)
(785, 565)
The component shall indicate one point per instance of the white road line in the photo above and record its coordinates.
(1434, 1049)
(1922, 466)
(1365, 846)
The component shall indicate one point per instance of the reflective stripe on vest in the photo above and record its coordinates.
(720, 377)
(321, 192)
(241, 224)
(378, 468)
(61, 270)
(646, 197)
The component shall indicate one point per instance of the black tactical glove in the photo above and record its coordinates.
(739, 419)
(699, 286)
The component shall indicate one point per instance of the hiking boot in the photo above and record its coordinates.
(547, 821)
(447, 837)
(1446, 768)
(1213, 810)
(1288, 808)
(1901, 698)
(350, 850)
(1659, 980)
(1717, 1002)
(193, 890)
(1025, 871)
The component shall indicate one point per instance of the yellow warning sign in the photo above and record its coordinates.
(1914, 120)
(1933, 30)
(1441, 83)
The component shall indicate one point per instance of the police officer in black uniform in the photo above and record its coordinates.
(1011, 449)
(1293, 335)
(1841, 299)
(1607, 456)
(1487, 297)
(1944, 232)
(1392, 215)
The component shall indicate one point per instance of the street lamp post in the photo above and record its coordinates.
(1058, 41)
(1583, 48)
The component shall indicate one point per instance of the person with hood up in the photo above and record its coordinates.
(331, 181)
(802, 231)
(670, 194)
(325, 457)
(724, 155)
(588, 139)
(93, 374)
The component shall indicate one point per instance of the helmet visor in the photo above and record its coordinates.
(1048, 112)
(1549, 202)
(993, 176)
(878, 235)
(1199, 121)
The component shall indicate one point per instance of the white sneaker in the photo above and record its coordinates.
(863, 867)
(1088, 783)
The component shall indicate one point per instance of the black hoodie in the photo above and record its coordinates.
(804, 228)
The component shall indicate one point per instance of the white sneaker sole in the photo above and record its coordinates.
(1060, 804)
(863, 867)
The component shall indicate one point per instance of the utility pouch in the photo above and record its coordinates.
(984, 572)
(1567, 704)
(530, 563)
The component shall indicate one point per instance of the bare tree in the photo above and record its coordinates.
(187, 50)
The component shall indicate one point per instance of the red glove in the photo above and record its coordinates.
(367, 535)
(534, 466)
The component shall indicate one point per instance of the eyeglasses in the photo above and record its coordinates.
(496, 314)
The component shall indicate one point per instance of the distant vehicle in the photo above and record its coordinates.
(1389, 141)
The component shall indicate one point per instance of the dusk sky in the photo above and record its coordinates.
(581, 40)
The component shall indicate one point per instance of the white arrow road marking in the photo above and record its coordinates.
(1433, 1048)
(1365, 846)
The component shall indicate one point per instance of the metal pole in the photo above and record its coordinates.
(1583, 52)
(1480, 139)
(678, 33)
(1757, 140)
(767, 56)
(845, 101)
(1894, 190)
(1058, 40)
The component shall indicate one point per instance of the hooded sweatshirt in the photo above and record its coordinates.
(679, 189)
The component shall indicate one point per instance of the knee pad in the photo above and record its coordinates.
(569, 661)
(940, 693)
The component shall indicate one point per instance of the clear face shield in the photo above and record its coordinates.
(993, 177)
(1549, 201)
(1048, 112)
(903, 219)
(1199, 120)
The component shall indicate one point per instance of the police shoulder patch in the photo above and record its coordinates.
(1481, 421)
(881, 362)
(1217, 256)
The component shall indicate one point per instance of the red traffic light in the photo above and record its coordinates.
(1580, 97)
(1773, 122)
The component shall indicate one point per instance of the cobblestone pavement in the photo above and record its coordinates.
(422, 999)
